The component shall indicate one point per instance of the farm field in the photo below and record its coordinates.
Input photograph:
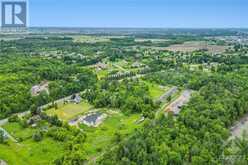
(89, 39)
(197, 45)
(69, 111)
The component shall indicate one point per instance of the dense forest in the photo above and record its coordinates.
(128, 96)
(198, 134)
(19, 73)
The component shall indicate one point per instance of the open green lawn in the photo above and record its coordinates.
(69, 111)
(17, 131)
(102, 138)
(156, 90)
(28, 152)
(98, 140)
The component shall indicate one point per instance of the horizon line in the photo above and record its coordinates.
(98, 27)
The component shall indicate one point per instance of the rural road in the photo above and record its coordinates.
(240, 127)
(167, 94)
(21, 114)
(4, 121)
(176, 105)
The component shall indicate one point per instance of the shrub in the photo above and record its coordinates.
(13, 118)
(37, 136)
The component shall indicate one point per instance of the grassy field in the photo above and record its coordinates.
(156, 90)
(41, 153)
(90, 39)
(69, 111)
(28, 152)
(102, 138)
(18, 132)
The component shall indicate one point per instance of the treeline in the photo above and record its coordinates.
(197, 136)
(18, 74)
(129, 41)
(128, 96)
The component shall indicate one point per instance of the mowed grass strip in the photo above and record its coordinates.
(69, 111)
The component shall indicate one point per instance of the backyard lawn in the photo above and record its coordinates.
(101, 138)
(70, 111)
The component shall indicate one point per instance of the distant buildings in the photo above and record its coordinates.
(76, 99)
(101, 66)
(37, 89)
(137, 65)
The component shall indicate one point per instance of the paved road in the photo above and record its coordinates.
(167, 94)
(2, 162)
(176, 105)
(239, 127)
(4, 121)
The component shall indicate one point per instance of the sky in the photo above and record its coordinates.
(139, 13)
